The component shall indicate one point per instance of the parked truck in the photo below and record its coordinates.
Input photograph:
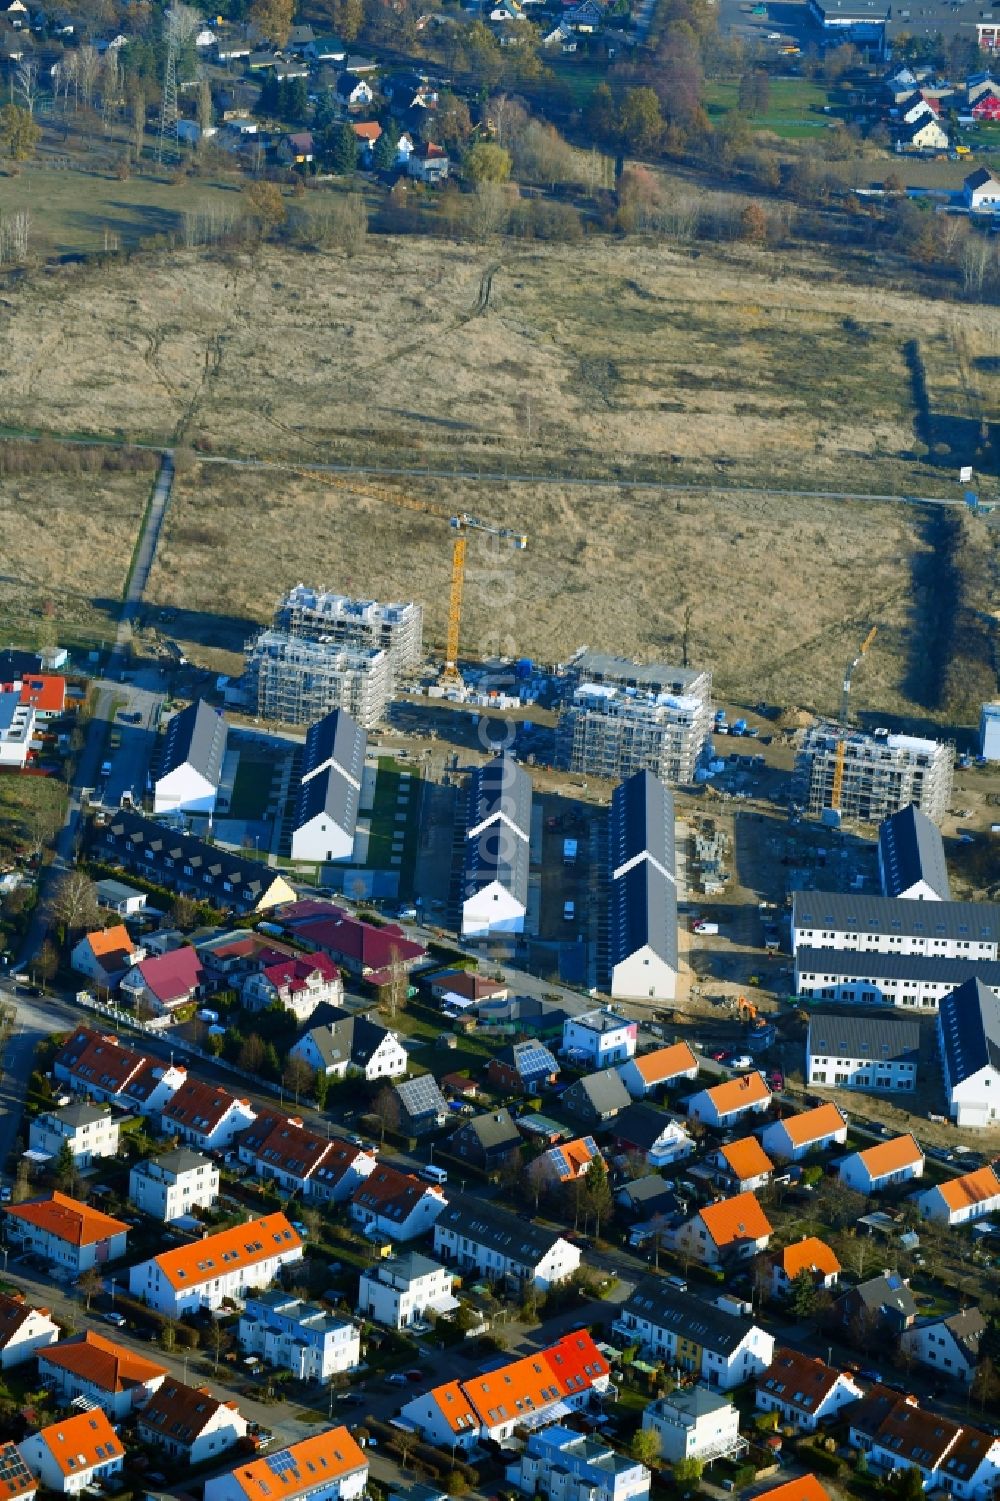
(569, 851)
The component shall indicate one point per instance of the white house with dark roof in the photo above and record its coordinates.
(310, 1341)
(981, 191)
(194, 749)
(206, 1116)
(497, 849)
(948, 1345)
(643, 958)
(170, 1186)
(969, 1048)
(911, 861)
(326, 808)
(476, 1237)
(352, 1044)
(685, 1330)
(89, 1132)
(599, 1038)
(399, 1291)
(880, 1053)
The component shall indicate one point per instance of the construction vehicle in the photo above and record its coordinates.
(836, 791)
(745, 1009)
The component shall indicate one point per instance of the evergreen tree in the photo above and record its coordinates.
(321, 1088)
(342, 149)
(297, 107)
(385, 148)
(269, 102)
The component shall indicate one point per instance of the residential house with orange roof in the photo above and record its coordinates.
(743, 1164)
(189, 1424)
(725, 1105)
(116, 1378)
(886, 1165)
(206, 1116)
(804, 1390)
(537, 1387)
(104, 957)
(897, 1434)
(795, 1136)
(89, 1131)
(66, 1233)
(16, 1481)
(45, 693)
(810, 1255)
(282, 1148)
(200, 1275)
(394, 1204)
(729, 1230)
(24, 1331)
(802, 1488)
(327, 1466)
(78, 1450)
(566, 1163)
(949, 1346)
(96, 1064)
(961, 1200)
(649, 1073)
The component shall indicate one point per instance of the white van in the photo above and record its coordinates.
(434, 1174)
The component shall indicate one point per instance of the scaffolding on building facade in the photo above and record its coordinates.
(298, 681)
(397, 629)
(881, 773)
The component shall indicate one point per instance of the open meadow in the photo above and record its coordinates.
(605, 360)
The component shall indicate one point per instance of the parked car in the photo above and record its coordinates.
(117, 1319)
(396, 1378)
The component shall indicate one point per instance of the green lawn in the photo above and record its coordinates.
(384, 825)
(795, 105)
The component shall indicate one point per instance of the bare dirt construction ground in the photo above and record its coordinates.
(602, 358)
(66, 540)
(780, 591)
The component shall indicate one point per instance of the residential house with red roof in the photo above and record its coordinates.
(77, 1450)
(164, 983)
(116, 1378)
(327, 1466)
(201, 1274)
(730, 1103)
(467, 987)
(795, 1136)
(105, 956)
(45, 693)
(372, 953)
(896, 1434)
(301, 1161)
(16, 1481)
(743, 1165)
(24, 1331)
(729, 1230)
(398, 1205)
(206, 1116)
(491, 1406)
(296, 982)
(649, 1073)
(810, 1255)
(804, 1390)
(189, 1424)
(973, 1196)
(885, 1165)
(66, 1233)
(96, 1065)
(986, 107)
(802, 1488)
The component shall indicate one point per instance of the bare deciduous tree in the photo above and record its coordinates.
(26, 84)
(73, 902)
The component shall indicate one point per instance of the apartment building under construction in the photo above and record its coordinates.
(397, 629)
(881, 773)
(620, 717)
(297, 681)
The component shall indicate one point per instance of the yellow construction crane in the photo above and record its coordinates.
(837, 789)
(461, 525)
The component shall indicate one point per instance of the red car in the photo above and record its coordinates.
(719, 1056)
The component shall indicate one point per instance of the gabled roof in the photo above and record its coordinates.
(333, 766)
(220, 877)
(746, 1158)
(571, 1159)
(889, 1156)
(200, 1106)
(664, 1064)
(239, 1248)
(732, 1221)
(970, 1189)
(642, 824)
(531, 1059)
(347, 1038)
(180, 1412)
(739, 1093)
(911, 849)
(981, 178)
(887, 1039)
(498, 829)
(291, 973)
(110, 941)
(393, 1195)
(888, 1290)
(642, 1125)
(969, 1025)
(801, 1381)
(493, 1131)
(174, 975)
(536, 1381)
(603, 1091)
(66, 1219)
(285, 1145)
(967, 1329)
(101, 1363)
(14, 1311)
(803, 1488)
(325, 926)
(483, 1225)
(421, 1097)
(196, 737)
(302, 1467)
(857, 912)
(814, 1125)
(808, 1255)
(99, 1061)
(16, 1479)
(688, 1316)
(82, 1442)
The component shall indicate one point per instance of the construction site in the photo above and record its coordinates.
(397, 629)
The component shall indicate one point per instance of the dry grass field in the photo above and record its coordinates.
(66, 541)
(605, 360)
(602, 358)
(777, 588)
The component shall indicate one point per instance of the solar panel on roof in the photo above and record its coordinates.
(280, 1462)
(422, 1094)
